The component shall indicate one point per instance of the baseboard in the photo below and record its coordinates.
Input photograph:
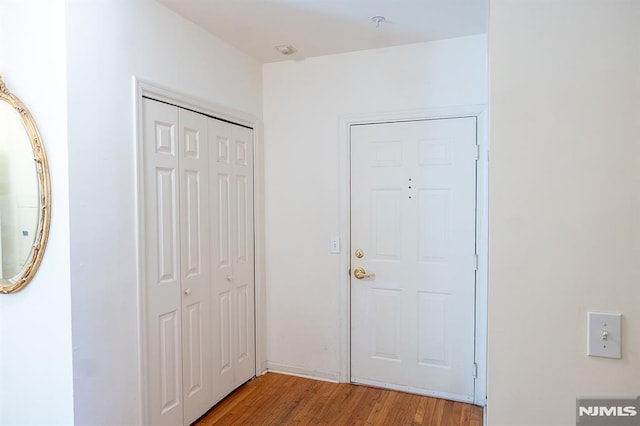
(262, 369)
(293, 370)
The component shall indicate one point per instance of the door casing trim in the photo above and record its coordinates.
(482, 228)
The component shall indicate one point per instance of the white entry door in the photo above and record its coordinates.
(413, 217)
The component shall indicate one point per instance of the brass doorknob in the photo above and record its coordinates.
(360, 273)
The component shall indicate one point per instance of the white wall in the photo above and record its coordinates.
(564, 203)
(303, 104)
(35, 324)
(108, 43)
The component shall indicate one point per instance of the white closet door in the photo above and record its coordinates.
(198, 265)
(232, 258)
(195, 271)
(162, 289)
(243, 264)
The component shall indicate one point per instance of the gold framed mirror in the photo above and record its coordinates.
(25, 192)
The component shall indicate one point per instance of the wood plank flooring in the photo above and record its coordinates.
(277, 399)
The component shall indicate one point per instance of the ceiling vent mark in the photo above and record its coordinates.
(286, 49)
(378, 20)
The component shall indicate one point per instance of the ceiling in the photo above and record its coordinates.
(323, 27)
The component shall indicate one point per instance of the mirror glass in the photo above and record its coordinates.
(24, 194)
(18, 193)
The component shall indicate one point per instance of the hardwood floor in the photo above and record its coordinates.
(276, 399)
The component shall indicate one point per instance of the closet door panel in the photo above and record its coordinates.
(243, 263)
(195, 266)
(162, 264)
(221, 208)
(233, 280)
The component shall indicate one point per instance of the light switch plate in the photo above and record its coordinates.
(604, 337)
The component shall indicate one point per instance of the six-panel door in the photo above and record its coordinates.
(198, 238)
(232, 256)
(413, 189)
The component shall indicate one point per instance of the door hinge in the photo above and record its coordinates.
(476, 261)
(477, 152)
(475, 370)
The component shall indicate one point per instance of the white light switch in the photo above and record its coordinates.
(335, 245)
(604, 334)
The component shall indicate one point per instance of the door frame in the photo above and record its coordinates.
(143, 88)
(482, 228)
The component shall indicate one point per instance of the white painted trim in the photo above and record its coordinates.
(138, 138)
(148, 89)
(482, 248)
(411, 389)
(482, 232)
(292, 370)
(165, 94)
(416, 114)
(344, 176)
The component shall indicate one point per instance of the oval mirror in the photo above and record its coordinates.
(24, 194)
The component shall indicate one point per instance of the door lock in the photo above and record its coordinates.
(360, 273)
